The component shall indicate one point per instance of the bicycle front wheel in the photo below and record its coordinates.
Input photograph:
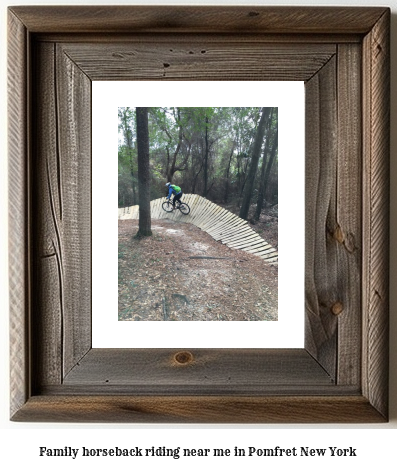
(167, 206)
(184, 208)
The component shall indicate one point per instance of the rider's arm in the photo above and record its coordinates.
(169, 193)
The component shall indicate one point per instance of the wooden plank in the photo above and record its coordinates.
(236, 219)
(264, 252)
(348, 223)
(222, 221)
(321, 280)
(244, 241)
(230, 220)
(325, 40)
(199, 19)
(271, 260)
(268, 258)
(376, 166)
(48, 209)
(191, 200)
(251, 243)
(195, 208)
(236, 240)
(73, 107)
(261, 247)
(157, 208)
(134, 61)
(264, 248)
(216, 219)
(210, 208)
(155, 367)
(232, 224)
(249, 234)
(18, 212)
(201, 214)
(213, 219)
(127, 408)
(272, 252)
(197, 204)
(154, 209)
(237, 234)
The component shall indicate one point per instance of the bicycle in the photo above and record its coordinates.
(169, 207)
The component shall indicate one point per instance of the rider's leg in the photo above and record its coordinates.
(178, 198)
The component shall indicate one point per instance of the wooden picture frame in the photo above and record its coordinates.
(342, 54)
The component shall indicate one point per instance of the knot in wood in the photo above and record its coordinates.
(183, 358)
(337, 308)
(338, 235)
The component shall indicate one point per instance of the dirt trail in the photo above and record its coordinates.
(182, 274)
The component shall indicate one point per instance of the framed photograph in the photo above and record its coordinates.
(340, 375)
(190, 269)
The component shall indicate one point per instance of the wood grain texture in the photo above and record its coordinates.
(19, 226)
(376, 91)
(73, 90)
(346, 228)
(140, 59)
(333, 216)
(199, 409)
(199, 19)
(338, 378)
(159, 370)
(48, 248)
(62, 208)
(320, 272)
(245, 37)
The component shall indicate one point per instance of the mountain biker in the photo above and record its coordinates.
(174, 190)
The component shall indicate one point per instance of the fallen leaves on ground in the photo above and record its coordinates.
(181, 274)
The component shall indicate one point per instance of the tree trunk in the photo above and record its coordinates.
(142, 130)
(128, 141)
(168, 165)
(172, 168)
(262, 185)
(270, 164)
(226, 195)
(256, 152)
(196, 177)
(206, 159)
(261, 192)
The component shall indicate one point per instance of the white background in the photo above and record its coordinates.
(288, 331)
(375, 443)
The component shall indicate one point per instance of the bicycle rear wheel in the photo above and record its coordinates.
(184, 208)
(167, 206)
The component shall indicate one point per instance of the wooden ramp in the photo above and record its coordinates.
(219, 223)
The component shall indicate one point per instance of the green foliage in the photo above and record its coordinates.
(178, 137)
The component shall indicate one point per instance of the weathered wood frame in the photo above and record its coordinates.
(343, 56)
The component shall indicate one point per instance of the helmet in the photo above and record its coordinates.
(167, 184)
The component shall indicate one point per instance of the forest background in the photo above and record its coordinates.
(228, 155)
